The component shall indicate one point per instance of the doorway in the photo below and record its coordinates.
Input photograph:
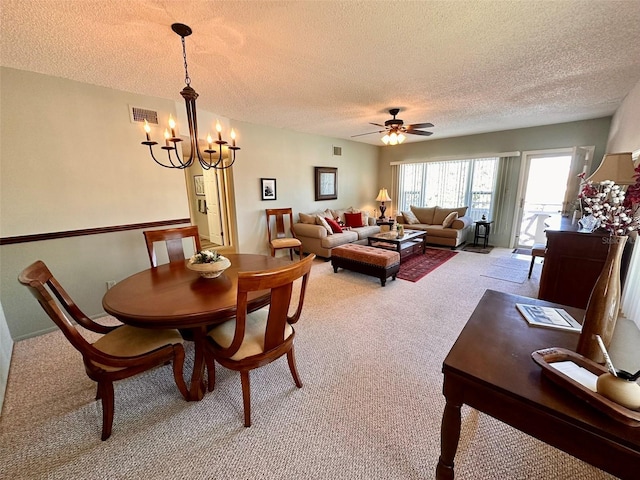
(544, 181)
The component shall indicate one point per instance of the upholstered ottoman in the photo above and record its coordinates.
(377, 262)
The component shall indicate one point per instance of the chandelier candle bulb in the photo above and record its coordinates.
(166, 137)
(172, 126)
(219, 130)
(147, 130)
(233, 138)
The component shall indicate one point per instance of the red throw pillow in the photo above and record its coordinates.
(334, 225)
(353, 220)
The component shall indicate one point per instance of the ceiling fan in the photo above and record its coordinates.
(395, 129)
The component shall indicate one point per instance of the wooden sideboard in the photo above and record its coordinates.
(572, 263)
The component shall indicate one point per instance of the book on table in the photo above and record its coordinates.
(548, 317)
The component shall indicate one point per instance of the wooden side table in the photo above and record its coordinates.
(385, 223)
(483, 229)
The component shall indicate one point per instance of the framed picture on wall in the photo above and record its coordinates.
(198, 181)
(326, 183)
(268, 188)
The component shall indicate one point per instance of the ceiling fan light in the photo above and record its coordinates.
(401, 138)
(393, 138)
(385, 139)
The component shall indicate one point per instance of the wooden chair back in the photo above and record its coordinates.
(281, 229)
(42, 284)
(100, 366)
(173, 241)
(280, 281)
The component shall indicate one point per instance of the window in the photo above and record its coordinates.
(449, 184)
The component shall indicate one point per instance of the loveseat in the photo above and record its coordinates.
(447, 227)
(322, 231)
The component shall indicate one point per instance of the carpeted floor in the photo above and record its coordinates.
(371, 407)
(418, 266)
(508, 269)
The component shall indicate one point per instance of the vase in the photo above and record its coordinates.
(210, 270)
(602, 309)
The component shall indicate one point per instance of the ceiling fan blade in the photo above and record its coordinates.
(376, 124)
(419, 132)
(369, 133)
(420, 125)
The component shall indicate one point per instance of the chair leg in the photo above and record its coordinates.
(533, 259)
(246, 397)
(178, 365)
(211, 370)
(291, 254)
(291, 359)
(98, 392)
(106, 391)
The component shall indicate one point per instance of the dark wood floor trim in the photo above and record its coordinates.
(89, 231)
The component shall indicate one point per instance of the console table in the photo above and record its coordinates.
(490, 369)
(572, 263)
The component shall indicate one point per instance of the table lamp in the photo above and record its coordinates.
(617, 167)
(383, 196)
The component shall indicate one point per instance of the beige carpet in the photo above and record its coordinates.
(371, 406)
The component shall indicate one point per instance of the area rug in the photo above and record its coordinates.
(417, 267)
(508, 269)
(469, 247)
(522, 251)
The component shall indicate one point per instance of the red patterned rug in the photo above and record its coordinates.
(417, 267)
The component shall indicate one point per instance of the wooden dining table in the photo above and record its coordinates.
(172, 296)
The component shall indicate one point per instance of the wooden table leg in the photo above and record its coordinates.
(450, 432)
(197, 387)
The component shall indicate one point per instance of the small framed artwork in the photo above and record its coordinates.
(326, 183)
(268, 188)
(198, 181)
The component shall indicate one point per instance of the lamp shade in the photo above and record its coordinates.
(383, 196)
(617, 167)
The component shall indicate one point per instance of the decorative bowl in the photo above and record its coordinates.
(210, 270)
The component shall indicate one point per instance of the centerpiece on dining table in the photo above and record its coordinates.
(209, 264)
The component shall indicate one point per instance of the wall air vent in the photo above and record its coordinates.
(337, 151)
(141, 114)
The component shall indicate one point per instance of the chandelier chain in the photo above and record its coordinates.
(187, 79)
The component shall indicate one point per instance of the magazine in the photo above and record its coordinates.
(548, 317)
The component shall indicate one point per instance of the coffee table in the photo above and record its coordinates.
(411, 243)
(490, 369)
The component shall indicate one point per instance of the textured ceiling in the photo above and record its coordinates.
(331, 67)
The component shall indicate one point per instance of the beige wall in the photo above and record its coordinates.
(290, 158)
(587, 132)
(624, 135)
(72, 159)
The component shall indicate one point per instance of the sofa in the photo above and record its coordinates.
(447, 227)
(321, 231)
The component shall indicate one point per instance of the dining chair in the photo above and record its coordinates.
(538, 250)
(173, 241)
(252, 340)
(121, 352)
(281, 240)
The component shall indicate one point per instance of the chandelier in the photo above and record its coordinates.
(171, 141)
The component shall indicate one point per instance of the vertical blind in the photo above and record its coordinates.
(449, 184)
